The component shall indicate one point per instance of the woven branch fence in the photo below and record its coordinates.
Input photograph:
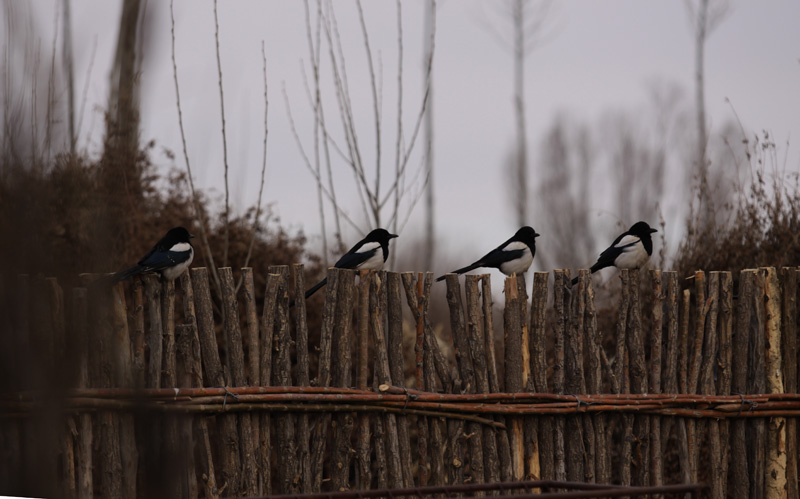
(695, 382)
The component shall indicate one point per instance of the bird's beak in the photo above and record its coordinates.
(536, 234)
(653, 230)
(191, 236)
(392, 236)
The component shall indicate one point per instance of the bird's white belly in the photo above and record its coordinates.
(173, 273)
(375, 262)
(632, 258)
(518, 265)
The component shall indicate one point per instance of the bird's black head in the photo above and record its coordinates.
(527, 235)
(380, 236)
(641, 229)
(179, 235)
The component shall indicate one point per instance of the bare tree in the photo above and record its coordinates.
(123, 111)
(381, 204)
(567, 159)
(67, 57)
(530, 23)
(430, 246)
(704, 17)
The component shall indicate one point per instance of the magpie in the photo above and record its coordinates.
(630, 250)
(171, 255)
(512, 257)
(367, 254)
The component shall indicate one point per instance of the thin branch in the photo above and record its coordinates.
(420, 116)
(375, 102)
(399, 143)
(48, 134)
(346, 110)
(86, 88)
(307, 162)
(315, 104)
(263, 172)
(195, 202)
(226, 214)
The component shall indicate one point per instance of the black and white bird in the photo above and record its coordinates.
(368, 254)
(170, 257)
(631, 250)
(512, 257)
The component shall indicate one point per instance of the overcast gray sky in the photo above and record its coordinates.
(601, 57)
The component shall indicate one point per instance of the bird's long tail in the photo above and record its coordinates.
(462, 270)
(126, 274)
(316, 287)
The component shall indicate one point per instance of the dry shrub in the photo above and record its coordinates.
(760, 228)
(78, 215)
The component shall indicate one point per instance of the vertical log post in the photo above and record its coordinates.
(228, 449)
(574, 382)
(503, 445)
(123, 362)
(466, 375)
(512, 323)
(756, 383)
(193, 372)
(397, 370)
(775, 473)
(80, 317)
(560, 306)
(303, 378)
(539, 369)
(189, 374)
(490, 466)
(414, 297)
(708, 386)
(656, 464)
(434, 364)
(638, 377)
(269, 318)
(363, 477)
(342, 376)
(139, 363)
(236, 368)
(670, 377)
(67, 459)
(286, 435)
(693, 437)
(251, 340)
(388, 461)
(725, 322)
(740, 478)
(621, 383)
(594, 384)
(789, 350)
(479, 441)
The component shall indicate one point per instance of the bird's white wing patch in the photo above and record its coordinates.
(629, 239)
(367, 247)
(181, 247)
(515, 245)
(632, 257)
(375, 262)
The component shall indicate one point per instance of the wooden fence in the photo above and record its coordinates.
(155, 397)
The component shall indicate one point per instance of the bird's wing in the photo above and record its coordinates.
(510, 250)
(159, 260)
(358, 255)
(620, 245)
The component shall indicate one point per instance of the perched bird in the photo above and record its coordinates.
(367, 254)
(512, 257)
(169, 257)
(630, 250)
